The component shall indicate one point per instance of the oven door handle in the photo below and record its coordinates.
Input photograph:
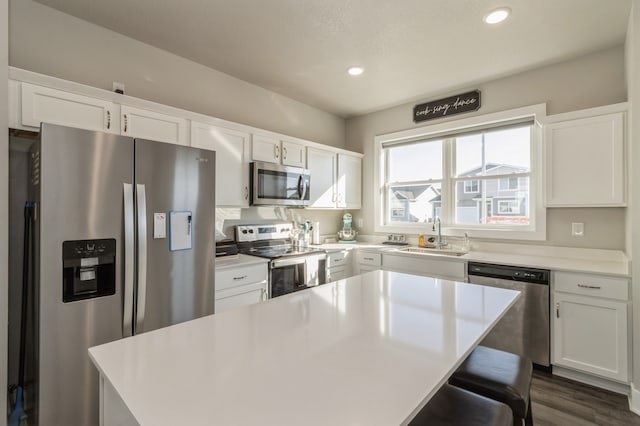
(281, 263)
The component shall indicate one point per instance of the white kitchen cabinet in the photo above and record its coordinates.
(429, 266)
(240, 285)
(367, 261)
(240, 296)
(323, 169)
(145, 124)
(590, 321)
(42, 104)
(232, 166)
(336, 179)
(349, 181)
(339, 265)
(273, 150)
(585, 162)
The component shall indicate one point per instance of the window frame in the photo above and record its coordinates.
(536, 230)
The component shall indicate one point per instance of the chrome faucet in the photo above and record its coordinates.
(439, 244)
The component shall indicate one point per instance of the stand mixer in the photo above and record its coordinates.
(347, 234)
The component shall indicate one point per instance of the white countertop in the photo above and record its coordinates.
(367, 350)
(593, 261)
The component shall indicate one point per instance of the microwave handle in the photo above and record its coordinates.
(302, 187)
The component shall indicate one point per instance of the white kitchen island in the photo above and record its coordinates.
(367, 350)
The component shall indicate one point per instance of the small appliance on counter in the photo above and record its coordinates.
(347, 234)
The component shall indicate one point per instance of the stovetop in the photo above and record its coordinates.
(276, 251)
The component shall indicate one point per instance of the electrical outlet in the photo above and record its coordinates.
(360, 222)
(577, 229)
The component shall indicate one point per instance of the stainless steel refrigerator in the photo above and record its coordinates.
(124, 244)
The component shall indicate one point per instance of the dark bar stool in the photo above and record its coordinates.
(452, 406)
(501, 376)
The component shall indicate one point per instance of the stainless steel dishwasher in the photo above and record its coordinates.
(524, 330)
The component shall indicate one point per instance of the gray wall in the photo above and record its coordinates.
(580, 83)
(633, 85)
(53, 43)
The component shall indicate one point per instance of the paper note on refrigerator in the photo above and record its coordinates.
(180, 226)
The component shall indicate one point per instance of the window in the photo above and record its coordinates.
(508, 184)
(480, 178)
(471, 186)
(508, 207)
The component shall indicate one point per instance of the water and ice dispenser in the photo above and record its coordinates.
(89, 269)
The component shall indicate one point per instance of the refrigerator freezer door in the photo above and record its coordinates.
(179, 284)
(81, 198)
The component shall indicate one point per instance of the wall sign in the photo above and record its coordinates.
(452, 105)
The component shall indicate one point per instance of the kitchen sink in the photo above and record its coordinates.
(432, 251)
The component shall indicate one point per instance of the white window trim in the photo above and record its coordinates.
(535, 231)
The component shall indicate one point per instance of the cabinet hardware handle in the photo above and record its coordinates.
(284, 153)
(557, 310)
(277, 151)
(368, 258)
(108, 120)
(125, 123)
(240, 278)
(595, 287)
(246, 193)
(338, 260)
(264, 294)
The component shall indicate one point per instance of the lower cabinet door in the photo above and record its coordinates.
(590, 335)
(240, 296)
(335, 274)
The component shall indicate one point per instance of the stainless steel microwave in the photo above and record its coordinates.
(276, 185)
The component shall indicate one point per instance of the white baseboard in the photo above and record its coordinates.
(634, 400)
(617, 387)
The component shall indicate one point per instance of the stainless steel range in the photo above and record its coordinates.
(290, 268)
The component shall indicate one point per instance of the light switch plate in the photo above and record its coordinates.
(159, 225)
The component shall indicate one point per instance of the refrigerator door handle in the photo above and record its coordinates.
(141, 199)
(129, 261)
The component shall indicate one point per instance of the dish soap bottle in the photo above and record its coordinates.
(421, 240)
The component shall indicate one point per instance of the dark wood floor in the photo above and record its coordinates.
(560, 402)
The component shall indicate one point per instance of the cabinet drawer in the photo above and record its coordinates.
(369, 258)
(338, 258)
(592, 285)
(233, 277)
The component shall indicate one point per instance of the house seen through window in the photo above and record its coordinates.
(478, 178)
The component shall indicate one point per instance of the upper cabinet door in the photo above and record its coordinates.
(232, 168)
(272, 150)
(266, 149)
(42, 104)
(144, 124)
(322, 169)
(585, 162)
(349, 181)
(293, 154)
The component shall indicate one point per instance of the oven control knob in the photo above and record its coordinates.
(244, 231)
(251, 231)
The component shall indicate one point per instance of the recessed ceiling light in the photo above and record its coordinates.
(354, 71)
(497, 16)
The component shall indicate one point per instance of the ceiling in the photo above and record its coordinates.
(411, 50)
